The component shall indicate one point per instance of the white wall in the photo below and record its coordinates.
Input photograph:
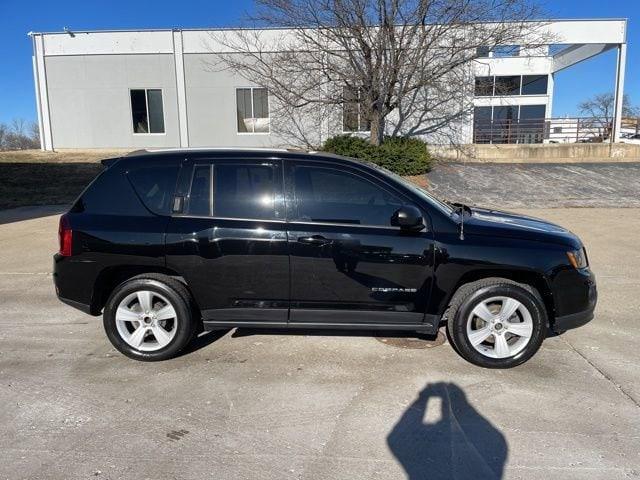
(90, 105)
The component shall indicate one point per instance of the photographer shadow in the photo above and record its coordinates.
(441, 436)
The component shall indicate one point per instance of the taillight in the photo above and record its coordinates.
(65, 236)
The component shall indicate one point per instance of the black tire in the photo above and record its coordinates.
(175, 292)
(470, 295)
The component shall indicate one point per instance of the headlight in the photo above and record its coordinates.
(578, 258)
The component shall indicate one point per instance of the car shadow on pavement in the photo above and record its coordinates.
(441, 436)
(21, 214)
(332, 332)
(202, 340)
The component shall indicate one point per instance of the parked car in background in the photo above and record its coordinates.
(631, 138)
(167, 243)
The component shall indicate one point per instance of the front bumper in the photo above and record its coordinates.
(575, 320)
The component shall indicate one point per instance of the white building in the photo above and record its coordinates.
(151, 88)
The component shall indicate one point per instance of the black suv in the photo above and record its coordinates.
(166, 243)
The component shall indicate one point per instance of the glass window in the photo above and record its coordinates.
(507, 85)
(482, 52)
(155, 185)
(533, 112)
(506, 51)
(111, 194)
(482, 125)
(334, 196)
(147, 111)
(505, 124)
(252, 110)
(532, 125)
(244, 191)
(200, 194)
(534, 84)
(354, 116)
(484, 86)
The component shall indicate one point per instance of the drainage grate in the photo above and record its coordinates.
(414, 342)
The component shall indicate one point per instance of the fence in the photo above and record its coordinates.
(550, 130)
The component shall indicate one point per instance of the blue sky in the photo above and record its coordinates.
(17, 17)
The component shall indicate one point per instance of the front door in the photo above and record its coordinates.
(229, 241)
(348, 264)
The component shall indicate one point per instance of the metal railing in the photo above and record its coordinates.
(549, 130)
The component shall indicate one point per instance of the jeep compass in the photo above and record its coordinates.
(167, 243)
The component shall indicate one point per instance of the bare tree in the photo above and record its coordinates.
(603, 106)
(19, 136)
(601, 109)
(406, 66)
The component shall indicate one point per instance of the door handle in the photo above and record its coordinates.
(318, 240)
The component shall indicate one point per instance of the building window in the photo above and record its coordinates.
(354, 117)
(252, 110)
(503, 51)
(484, 86)
(507, 85)
(509, 124)
(534, 84)
(511, 85)
(147, 111)
(482, 52)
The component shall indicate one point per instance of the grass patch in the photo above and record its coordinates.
(33, 177)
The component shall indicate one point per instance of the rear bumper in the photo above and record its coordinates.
(80, 306)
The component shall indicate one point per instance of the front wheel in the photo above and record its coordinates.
(149, 318)
(497, 323)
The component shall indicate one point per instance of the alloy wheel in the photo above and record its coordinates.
(146, 320)
(499, 327)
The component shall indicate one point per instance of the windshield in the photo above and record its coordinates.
(421, 192)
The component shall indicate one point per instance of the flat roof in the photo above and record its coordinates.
(213, 29)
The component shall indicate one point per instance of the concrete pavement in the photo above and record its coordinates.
(272, 406)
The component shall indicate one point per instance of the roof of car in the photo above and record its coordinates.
(236, 152)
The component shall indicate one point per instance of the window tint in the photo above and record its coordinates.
(155, 185)
(534, 84)
(147, 111)
(330, 195)
(244, 191)
(110, 194)
(200, 194)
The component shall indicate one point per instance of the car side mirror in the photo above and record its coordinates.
(408, 218)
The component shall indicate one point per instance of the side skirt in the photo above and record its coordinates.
(428, 328)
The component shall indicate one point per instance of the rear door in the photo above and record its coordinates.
(348, 264)
(229, 241)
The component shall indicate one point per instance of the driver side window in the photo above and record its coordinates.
(326, 194)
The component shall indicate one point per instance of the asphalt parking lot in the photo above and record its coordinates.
(526, 185)
(317, 405)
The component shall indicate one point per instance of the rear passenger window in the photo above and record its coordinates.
(335, 196)
(110, 194)
(200, 196)
(155, 185)
(244, 191)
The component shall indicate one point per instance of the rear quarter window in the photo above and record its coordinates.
(155, 185)
(110, 194)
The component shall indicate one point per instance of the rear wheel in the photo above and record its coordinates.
(496, 323)
(149, 318)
